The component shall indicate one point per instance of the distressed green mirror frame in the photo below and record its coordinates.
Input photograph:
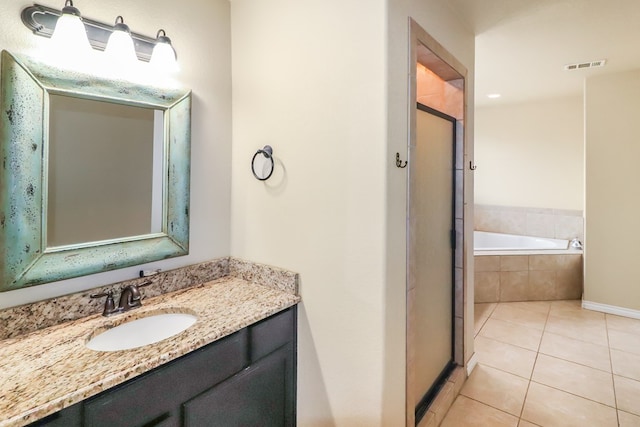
(25, 259)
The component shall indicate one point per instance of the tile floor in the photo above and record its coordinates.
(551, 363)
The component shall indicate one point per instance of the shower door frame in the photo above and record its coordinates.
(463, 290)
(425, 400)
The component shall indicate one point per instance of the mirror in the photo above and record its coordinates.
(101, 171)
(95, 173)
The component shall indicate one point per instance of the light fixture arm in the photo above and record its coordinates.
(120, 25)
(161, 36)
(42, 21)
(70, 8)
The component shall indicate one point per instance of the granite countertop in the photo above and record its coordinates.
(50, 369)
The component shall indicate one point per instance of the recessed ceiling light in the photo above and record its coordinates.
(494, 95)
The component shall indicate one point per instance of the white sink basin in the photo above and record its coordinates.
(141, 332)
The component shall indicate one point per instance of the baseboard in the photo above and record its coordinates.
(611, 309)
(471, 364)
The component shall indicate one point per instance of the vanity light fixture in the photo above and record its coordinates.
(69, 33)
(120, 45)
(42, 21)
(163, 56)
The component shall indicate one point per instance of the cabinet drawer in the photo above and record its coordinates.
(154, 396)
(272, 333)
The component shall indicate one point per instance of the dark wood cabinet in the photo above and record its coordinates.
(253, 398)
(246, 379)
(65, 418)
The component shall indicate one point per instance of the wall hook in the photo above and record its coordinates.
(472, 166)
(399, 162)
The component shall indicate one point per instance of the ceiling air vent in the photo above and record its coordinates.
(583, 65)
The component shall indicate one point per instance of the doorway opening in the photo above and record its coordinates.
(435, 273)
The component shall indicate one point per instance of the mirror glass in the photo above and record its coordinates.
(101, 171)
(95, 173)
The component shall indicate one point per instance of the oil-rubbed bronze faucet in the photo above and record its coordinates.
(130, 298)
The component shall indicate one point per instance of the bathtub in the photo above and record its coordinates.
(521, 268)
(492, 242)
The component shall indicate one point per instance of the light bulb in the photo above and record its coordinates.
(163, 56)
(120, 45)
(69, 36)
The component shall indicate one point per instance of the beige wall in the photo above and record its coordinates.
(612, 176)
(309, 79)
(201, 36)
(531, 154)
(316, 83)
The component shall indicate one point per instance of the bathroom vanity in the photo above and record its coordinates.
(245, 379)
(236, 365)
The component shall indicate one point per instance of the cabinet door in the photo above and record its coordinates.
(258, 396)
(155, 398)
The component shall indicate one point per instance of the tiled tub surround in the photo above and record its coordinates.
(527, 277)
(49, 368)
(537, 222)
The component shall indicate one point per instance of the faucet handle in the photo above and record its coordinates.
(135, 288)
(142, 285)
(109, 304)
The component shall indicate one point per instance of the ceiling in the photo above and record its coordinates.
(522, 45)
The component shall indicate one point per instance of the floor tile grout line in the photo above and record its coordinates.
(491, 406)
(493, 309)
(574, 338)
(503, 371)
(527, 421)
(576, 395)
(510, 343)
(484, 321)
(524, 401)
(542, 336)
(526, 394)
(627, 412)
(613, 378)
(569, 335)
(576, 363)
(626, 331)
(516, 323)
(511, 320)
(626, 377)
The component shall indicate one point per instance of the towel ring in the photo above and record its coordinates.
(263, 167)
